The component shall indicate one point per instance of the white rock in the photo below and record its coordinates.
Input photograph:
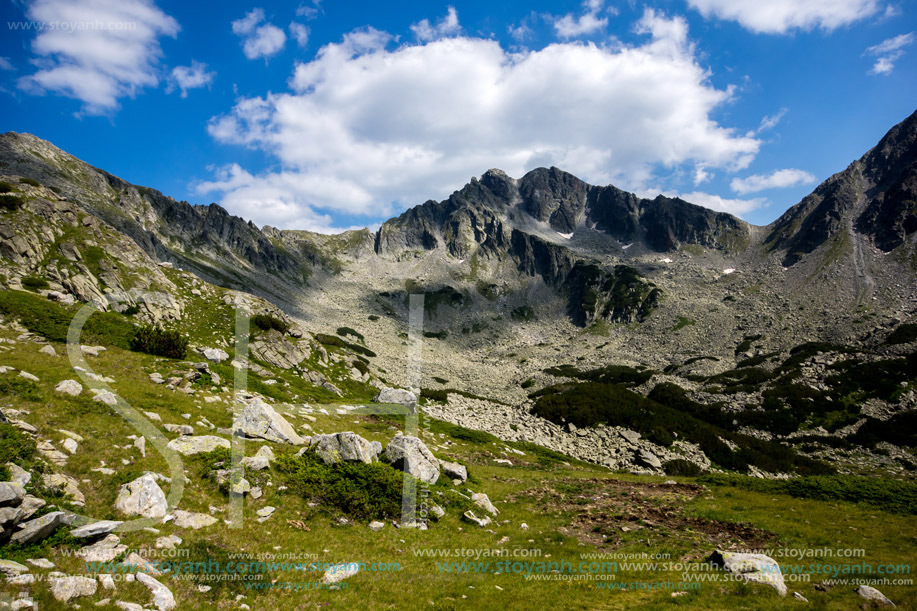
(215, 355)
(28, 376)
(162, 596)
(70, 445)
(259, 420)
(49, 350)
(190, 519)
(341, 571)
(142, 497)
(189, 445)
(67, 588)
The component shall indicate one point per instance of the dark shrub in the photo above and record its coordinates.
(266, 322)
(5, 187)
(10, 202)
(345, 331)
(34, 283)
(30, 181)
(682, 467)
(153, 339)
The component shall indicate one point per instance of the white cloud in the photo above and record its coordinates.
(447, 26)
(300, 33)
(309, 12)
(771, 121)
(779, 179)
(99, 51)
(782, 16)
(888, 52)
(5, 64)
(519, 32)
(190, 77)
(258, 40)
(737, 207)
(368, 130)
(589, 22)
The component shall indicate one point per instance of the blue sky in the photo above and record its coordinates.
(327, 115)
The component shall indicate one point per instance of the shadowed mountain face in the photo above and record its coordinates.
(876, 197)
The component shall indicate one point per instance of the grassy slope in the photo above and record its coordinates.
(796, 523)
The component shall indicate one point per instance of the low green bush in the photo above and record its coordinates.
(34, 283)
(15, 446)
(30, 181)
(903, 334)
(10, 202)
(363, 491)
(6, 187)
(681, 467)
(266, 322)
(153, 339)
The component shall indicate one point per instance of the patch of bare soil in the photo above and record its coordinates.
(609, 513)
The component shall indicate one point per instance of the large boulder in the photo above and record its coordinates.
(142, 497)
(411, 455)
(453, 470)
(189, 445)
(191, 519)
(38, 529)
(259, 421)
(95, 529)
(69, 387)
(398, 396)
(274, 349)
(346, 447)
(873, 595)
(752, 567)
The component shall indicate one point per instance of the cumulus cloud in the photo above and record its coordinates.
(100, 51)
(190, 77)
(368, 129)
(309, 12)
(570, 26)
(737, 207)
(447, 26)
(888, 52)
(259, 39)
(779, 179)
(300, 33)
(782, 16)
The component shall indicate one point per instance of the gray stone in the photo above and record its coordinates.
(142, 497)
(259, 420)
(215, 355)
(453, 470)
(38, 529)
(481, 500)
(189, 446)
(162, 596)
(411, 455)
(341, 571)
(397, 396)
(346, 447)
(190, 519)
(19, 475)
(70, 387)
(65, 484)
(181, 429)
(752, 567)
(11, 493)
(376, 526)
(11, 568)
(49, 350)
(95, 529)
(647, 458)
(105, 550)
(67, 588)
(872, 594)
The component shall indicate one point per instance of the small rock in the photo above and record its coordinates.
(28, 376)
(190, 519)
(162, 596)
(49, 350)
(189, 445)
(340, 572)
(376, 526)
(95, 529)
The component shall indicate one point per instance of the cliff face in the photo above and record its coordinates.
(874, 199)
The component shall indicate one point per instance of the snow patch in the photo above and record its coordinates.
(626, 246)
(566, 236)
(666, 260)
(728, 271)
